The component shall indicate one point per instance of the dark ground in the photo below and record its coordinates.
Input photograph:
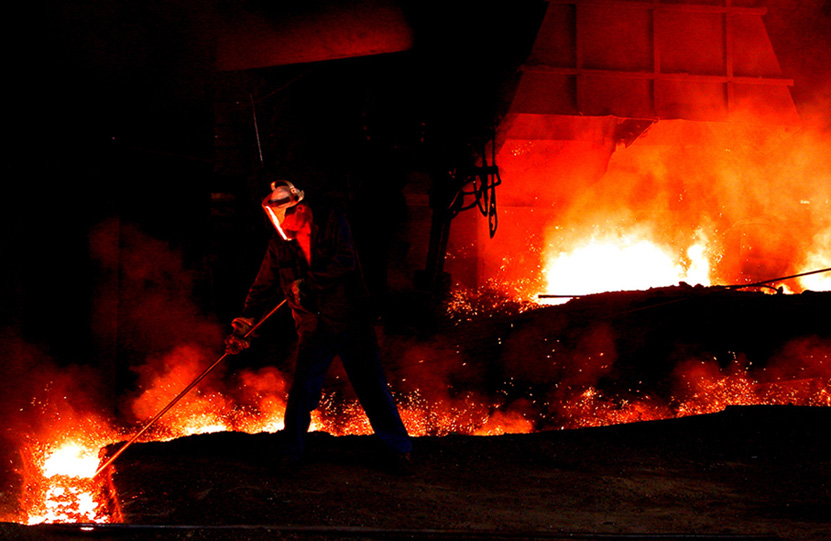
(747, 472)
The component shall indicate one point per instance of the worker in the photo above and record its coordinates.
(312, 260)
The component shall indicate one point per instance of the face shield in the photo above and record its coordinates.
(283, 196)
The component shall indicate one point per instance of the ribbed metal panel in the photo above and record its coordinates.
(653, 60)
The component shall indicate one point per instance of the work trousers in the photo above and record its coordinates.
(358, 350)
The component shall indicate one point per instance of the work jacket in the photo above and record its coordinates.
(334, 293)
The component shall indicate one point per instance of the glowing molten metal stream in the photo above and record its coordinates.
(66, 490)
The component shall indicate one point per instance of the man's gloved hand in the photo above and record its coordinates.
(296, 289)
(236, 342)
(300, 292)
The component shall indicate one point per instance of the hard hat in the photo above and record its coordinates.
(283, 196)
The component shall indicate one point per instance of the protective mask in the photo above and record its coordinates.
(283, 196)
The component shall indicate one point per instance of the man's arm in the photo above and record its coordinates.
(266, 286)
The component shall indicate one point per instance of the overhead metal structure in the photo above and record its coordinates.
(263, 34)
(706, 60)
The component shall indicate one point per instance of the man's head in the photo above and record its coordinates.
(298, 219)
(281, 207)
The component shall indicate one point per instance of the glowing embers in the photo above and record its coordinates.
(468, 414)
(60, 486)
(799, 376)
(616, 262)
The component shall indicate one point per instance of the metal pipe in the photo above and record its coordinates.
(185, 391)
(765, 282)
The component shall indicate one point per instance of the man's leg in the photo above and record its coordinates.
(314, 356)
(362, 362)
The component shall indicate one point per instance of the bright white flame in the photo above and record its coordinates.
(817, 282)
(206, 423)
(698, 271)
(271, 426)
(818, 258)
(87, 504)
(621, 263)
(72, 460)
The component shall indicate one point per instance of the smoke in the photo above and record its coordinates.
(164, 377)
(798, 374)
(229, 398)
(40, 397)
(800, 359)
(156, 304)
(169, 340)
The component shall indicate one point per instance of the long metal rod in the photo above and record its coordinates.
(741, 286)
(185, 391)
(256, 129)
